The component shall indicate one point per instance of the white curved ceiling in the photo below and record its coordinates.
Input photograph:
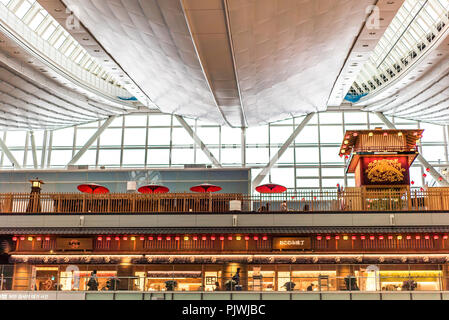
(228, 61)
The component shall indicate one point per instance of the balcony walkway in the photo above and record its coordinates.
(223, 295)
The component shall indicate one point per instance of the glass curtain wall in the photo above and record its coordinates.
(159, 141)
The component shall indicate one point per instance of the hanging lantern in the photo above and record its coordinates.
(355, 134)
(440, 179)
(385, 134)
(346, 157)
(424, 175)
(427, 169)
(400, 134)
(370, 134)
(412, 182)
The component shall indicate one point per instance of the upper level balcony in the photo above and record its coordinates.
(352, 199)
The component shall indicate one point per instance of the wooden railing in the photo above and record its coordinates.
(351, 199)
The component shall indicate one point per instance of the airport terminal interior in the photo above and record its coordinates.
(224, 148)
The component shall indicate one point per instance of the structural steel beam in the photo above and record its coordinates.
(9, 154)
(434, 173)
(91, 140)
(258, 179)
(198, 141)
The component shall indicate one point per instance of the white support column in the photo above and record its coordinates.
(198, 141)
(44, 149)
(8, 154)
(258, 179)
(33, 149)
(91, 140)
(243, 146)
(433, 172)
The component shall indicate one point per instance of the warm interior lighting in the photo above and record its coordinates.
(400, 134)
(345, 237)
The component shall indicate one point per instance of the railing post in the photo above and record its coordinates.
(409, 200)
(84, 203)
(210, 201)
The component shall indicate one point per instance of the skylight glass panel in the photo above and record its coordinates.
(39, 20)
(416, 24)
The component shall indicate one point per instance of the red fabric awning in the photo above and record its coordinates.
(205, 187)
(271, 188)
(153, 188)
(92, 188)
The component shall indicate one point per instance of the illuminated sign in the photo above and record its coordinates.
(74, 244)
(290, 243)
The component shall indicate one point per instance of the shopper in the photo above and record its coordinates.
(284, 206)
(310, 287)
(217, 286)
(92, 284)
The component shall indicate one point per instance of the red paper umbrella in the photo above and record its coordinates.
(153, 188)
(271, 188)
(205, 187)
(92, 188)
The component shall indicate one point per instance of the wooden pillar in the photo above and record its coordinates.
(22, 277)
(445, 277)
(124, 274)
(342, 272)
